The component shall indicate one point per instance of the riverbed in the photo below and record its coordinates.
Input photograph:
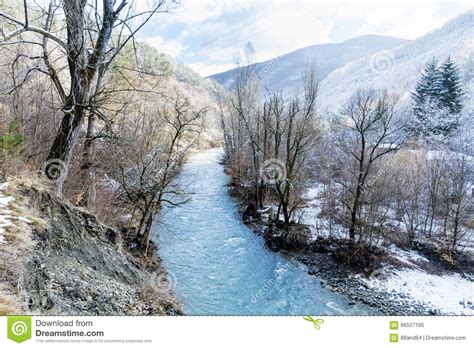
(218, 266)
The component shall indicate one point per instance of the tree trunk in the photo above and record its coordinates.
(83, 67)
(355, 207)
(145, 241)
(143, 223)
(61, 151)
(86, 163)
(286, 215)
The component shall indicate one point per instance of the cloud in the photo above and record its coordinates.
(272, 30)
(170, 47)
(206, 69)
(207, 34)
(200, 11)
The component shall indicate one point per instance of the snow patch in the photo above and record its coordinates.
(451, 294)
(5, 213)
(310, 214)
(23, 219)
(406, 256)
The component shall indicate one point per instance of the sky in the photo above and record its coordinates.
(208, 35)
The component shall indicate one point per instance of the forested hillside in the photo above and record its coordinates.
(360, 165)
(398, 68)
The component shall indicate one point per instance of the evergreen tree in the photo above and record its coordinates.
(426, 92)
(437, 100)
(451, 90)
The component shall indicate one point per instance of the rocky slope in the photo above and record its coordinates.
(59, 260)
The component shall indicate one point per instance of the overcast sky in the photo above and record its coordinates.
(207, 34)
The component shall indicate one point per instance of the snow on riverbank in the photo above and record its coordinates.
(5, 213)
(310, 214)
(409, 257)
(451, 294)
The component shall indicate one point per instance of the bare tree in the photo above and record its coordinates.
(78, 39)
(245, 106)
(300, 132)
(435, 172)
(457, 210)
(409, 188)
(369, 131)
(273, 138)
(150, 152)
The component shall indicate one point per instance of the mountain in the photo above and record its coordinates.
(397, 69)
(283, 73)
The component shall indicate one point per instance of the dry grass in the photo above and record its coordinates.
(18, 248)
(157, 293)
(8, 302)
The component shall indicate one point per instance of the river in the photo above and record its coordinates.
(218, 266)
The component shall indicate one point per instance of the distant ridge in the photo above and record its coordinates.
(284, 72)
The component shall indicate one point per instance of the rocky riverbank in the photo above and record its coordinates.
(337, 278)
(59, 260)
(322, 260)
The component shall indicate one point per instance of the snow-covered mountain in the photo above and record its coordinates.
(284, 72)
(397, 69)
